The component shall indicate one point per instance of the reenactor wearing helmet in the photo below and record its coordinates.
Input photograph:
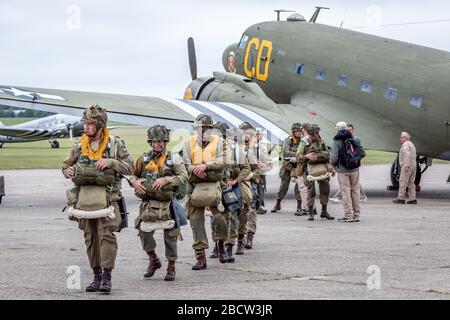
(249, 150)
(290, 146)
(314, 151)
(94, 165)
(264, 163)
(203, 154)
(219, 128)
(157, 175)
(239, 177)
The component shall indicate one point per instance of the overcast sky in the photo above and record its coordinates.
(139, 47)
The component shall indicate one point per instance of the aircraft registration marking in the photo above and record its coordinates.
(259, 46)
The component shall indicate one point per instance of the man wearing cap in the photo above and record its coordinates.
(408, 166)
(264, 162)
(313, 152)
(203, 154)
(157, 175)
(290, 146)
(348, 175)
(99, 154)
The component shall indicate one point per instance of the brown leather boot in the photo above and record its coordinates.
(311, 214)
(170, 275)
(201, 260)
(324, 214)
(223, 255)
(229, 248)
(249, 243)
(277, 206)
(153, 265)
(105, 286)
(215, 253)
(95, 285)
(240, 245)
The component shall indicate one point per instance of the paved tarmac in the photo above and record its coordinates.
(404, 247)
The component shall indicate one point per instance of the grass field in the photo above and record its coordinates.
(34, 155)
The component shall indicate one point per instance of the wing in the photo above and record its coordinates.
(139, 110)
(26, 133)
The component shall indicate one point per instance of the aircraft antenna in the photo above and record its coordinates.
(316, 14)
(281, 10)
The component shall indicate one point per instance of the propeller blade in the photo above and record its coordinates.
(192, 58)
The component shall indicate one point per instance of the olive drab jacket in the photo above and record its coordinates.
(290, 146)
(319, 148)
(118, 159)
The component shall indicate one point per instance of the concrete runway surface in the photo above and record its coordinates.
(395, 252)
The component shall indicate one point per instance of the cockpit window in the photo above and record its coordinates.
(416, 100)
(243, 42)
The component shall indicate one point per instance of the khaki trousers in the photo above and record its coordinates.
(350, 186)
(285, 176)
(101, 244)
(197, 222)
(170, 242)
(407, 178)
(303, 192)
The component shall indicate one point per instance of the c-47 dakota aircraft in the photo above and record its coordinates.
(49, 128)
(282, 72)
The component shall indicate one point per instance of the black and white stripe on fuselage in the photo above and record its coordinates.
(232, 114)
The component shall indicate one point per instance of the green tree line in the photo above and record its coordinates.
(10, 112)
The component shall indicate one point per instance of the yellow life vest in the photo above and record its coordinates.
(154, 167)
(201, 155)
(86, 150)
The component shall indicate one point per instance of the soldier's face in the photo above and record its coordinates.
(296, 134)
(350, 129)
(315, 136)
(259, 136)
(205, 132)
(158, 145)
(90, 129)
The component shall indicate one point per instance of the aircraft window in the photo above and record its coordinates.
(391, 93)
(343, 80)
(243, 42)
(366, 86)
(299, 68)
(321, 74)
(416, 100)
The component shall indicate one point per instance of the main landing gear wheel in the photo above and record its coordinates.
(395, 173)
(54, 144)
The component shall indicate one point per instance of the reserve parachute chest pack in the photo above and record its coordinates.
(86, 172)
(166, 193)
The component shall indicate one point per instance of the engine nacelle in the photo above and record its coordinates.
(228, 87)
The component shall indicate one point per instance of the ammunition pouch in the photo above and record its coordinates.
(87, 174)
(211, 176)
